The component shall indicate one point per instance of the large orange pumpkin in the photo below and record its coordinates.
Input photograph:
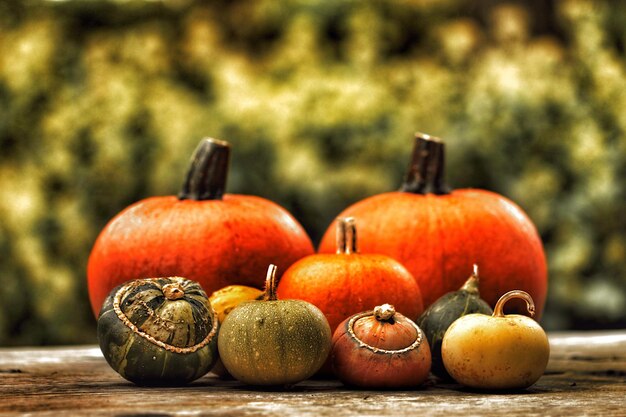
(347, 282)
(436, 233)
(203, 234)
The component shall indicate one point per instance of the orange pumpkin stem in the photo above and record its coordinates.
(346, 235)
(206, 177)
(427, 168)
(498, 310)
(270, 284)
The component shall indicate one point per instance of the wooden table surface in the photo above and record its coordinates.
(586, 376)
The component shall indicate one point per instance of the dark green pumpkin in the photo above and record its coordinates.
(444, 311)
(274, 342)
(158, 331)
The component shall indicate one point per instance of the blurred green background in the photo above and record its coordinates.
(102, 103)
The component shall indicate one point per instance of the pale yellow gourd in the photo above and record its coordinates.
(498, 351)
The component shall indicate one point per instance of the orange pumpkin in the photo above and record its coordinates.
(347, 282)
(435, 233)
(203, 234)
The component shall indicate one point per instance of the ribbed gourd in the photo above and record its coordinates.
(380, 348)
(443, 312)
(274, 342)
(158, 331)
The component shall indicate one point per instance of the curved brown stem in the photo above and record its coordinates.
(270, 284)
(427, 168)
(206, 177)
(498, 310)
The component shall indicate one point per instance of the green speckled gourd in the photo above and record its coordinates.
(159, 331)
(444, 311)
(274, 342)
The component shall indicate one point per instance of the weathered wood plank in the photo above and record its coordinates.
(586, 376)
(588, 352)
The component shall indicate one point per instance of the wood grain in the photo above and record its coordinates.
(586, 376)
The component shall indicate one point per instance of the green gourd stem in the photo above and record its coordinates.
(498, 310)
(270, 284)
(206, 177)
(346, 235)
(426, 171)
(472, 284)
(384, 312)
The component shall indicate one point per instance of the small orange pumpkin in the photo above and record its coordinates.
(348, 282)
(380, 349)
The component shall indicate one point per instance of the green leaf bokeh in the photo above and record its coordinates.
(102, 103)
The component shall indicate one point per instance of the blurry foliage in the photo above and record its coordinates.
(102, 102)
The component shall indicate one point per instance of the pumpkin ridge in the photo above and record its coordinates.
(199, 323)
(467, 305)
(434, 214)
(456, 212)
(124, 362)
(166, 359)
